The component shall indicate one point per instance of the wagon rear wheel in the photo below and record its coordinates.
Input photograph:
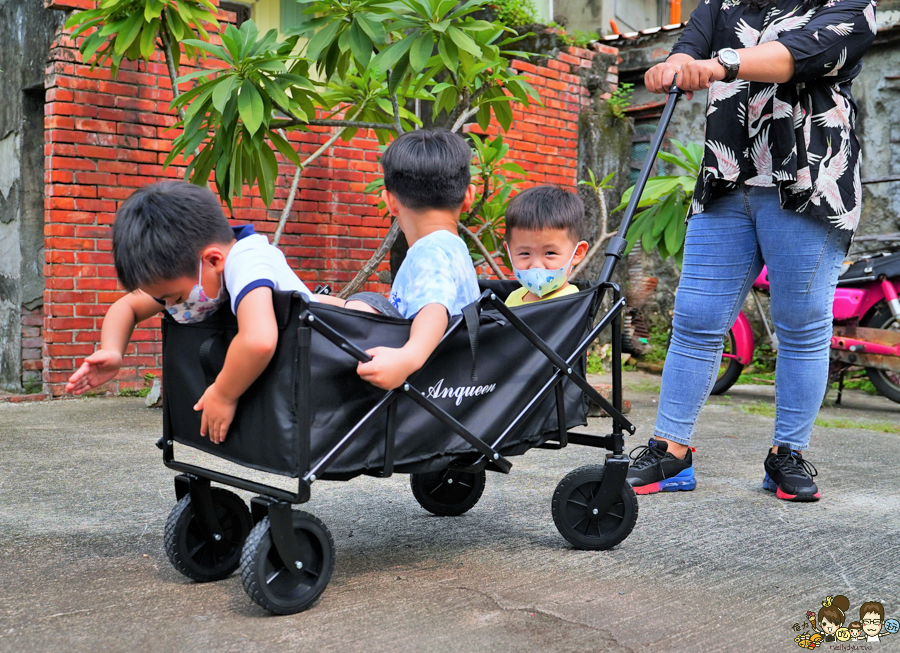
(189, 549)
(576, 522)
(267, 579)
(447, 493)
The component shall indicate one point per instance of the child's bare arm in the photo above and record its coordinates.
(119, 323)
(390, 367)
(248, 355)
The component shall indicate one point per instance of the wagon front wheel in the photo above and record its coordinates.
(267, 579)
(190, 550)
(577, 523)
(447, 493)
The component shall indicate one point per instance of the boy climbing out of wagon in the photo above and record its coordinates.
(427, 185)
(175, 251)
(544, 227)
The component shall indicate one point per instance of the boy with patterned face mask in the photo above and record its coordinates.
(174, 251)
(544, 225)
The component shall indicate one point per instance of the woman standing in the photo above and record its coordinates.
(779, 186)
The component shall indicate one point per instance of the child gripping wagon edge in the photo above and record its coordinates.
(175, 251)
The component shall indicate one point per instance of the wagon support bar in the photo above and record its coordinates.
(415, 395)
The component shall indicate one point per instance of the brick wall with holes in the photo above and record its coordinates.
(106, 137)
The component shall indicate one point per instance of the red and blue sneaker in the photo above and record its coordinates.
(656, 470)
(789, 476)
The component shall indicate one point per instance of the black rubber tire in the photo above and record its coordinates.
(261, 566)
(732, 372)
(582, 530)
(447, 493)
(186, 544)
(887, 382)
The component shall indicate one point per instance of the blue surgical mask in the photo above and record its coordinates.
(198, 306)
(541, 282)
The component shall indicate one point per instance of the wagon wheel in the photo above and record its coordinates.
(581, 528)
(270, 583)
(192, 553)
(447, 493)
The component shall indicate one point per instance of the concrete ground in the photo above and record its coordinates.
(84, 496)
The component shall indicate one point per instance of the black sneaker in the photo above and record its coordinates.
(789, 476)
(656, 470)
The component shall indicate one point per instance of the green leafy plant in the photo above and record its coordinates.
(236, 103)
(515, 13)
(620, 99)
(129, 29)
(488, 212)
(665, 200)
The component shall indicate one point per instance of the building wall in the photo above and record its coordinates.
(105, 138)
(28, 29)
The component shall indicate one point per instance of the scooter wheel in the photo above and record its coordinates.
(269, 582)
(575, 522)
(447, 493)
(887, 382)
(188, 548)
(729, 371)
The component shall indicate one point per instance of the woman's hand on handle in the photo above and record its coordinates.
(659, 78)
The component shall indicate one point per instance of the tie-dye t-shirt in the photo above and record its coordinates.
(437, 270)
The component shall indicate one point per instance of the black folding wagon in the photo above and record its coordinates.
(501, 382)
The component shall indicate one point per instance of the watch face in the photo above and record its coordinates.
(729, 57)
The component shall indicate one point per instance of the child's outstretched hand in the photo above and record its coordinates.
(389, 367)
(218, 412)
(97, 369)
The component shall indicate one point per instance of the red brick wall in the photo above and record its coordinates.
(106, 137)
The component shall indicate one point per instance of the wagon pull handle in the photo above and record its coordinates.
(617, 244)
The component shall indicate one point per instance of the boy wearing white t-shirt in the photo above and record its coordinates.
(175, 251)
(427, 185)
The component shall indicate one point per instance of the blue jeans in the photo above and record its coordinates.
(725, 249)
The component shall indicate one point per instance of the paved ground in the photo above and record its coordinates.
(83, 499)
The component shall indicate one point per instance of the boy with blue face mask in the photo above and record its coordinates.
(175, 251)
(544, 225)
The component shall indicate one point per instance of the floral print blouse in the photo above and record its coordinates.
(798, 135)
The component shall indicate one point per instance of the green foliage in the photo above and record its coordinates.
(489, 172)
(514, 13)
(659, 345)
(433, 47)
(577, 38)
(229, 115)
(665, 200)
(134, 392)
(620, 99)
(597, 186)
(129, 29)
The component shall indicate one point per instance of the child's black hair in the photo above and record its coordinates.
(546, 207)
(161, 229)
(428, 169)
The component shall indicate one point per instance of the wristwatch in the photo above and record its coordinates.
(731, 62)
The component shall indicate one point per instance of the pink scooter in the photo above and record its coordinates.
(866, 326)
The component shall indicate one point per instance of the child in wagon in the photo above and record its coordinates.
(544, 228)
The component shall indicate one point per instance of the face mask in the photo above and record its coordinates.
(198, 306)
(541, 282)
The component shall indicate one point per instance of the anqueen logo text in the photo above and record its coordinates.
(438, 391)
